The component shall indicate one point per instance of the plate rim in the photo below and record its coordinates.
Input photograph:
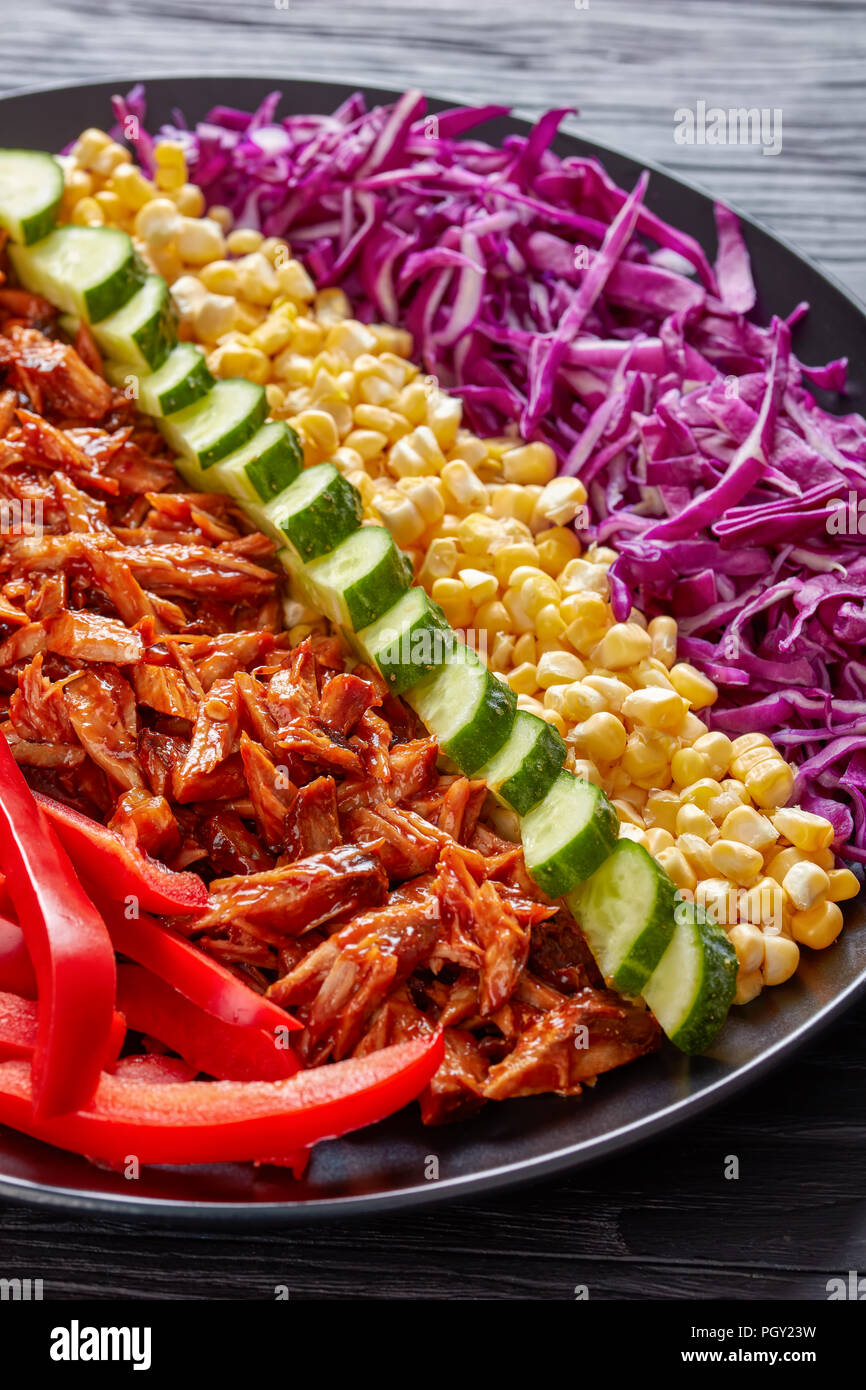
(522, 1172)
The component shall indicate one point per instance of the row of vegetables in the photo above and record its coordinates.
(583, 727)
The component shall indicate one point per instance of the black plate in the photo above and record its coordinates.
(387, 1166)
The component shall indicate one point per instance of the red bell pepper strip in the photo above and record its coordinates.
(19, 1024)
(71, 951)
(224, 1050)
(16, 967)
(227, 1121)
(195, 975)
(104, 857)
(154, 1068)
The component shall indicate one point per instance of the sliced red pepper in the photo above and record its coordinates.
(154, 1068)
(104, 857)
(71, 951)
(183, 965)
(225, 1050)
(16, 967)
(19, 1019)
(227, 1121)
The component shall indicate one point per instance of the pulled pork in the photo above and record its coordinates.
(146, 679)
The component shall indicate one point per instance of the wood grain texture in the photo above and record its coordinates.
(663, 1221)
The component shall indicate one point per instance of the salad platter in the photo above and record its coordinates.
(443, 622)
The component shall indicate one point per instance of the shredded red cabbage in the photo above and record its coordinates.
(559, 305)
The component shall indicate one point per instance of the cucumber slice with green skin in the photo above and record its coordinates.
(141, 333)
(218, 423)
(568, 835)
(466, 708)
(626, 913)
(409, 641)
(262, 468)
(183, 378)
(359, 581)
(31, 186)
(87, 271)
(318, 511)
(525, 768)
(693, 986)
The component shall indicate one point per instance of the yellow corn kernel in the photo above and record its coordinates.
(658, 709)
(416, 453)
(110, 159)
(236, 359)
(691, 729)
(131, 187)
(89, 145)
(531, 463)
(718, 751)
(464, 489)
(556, 548)
(580, 576)
(523, 679)
(511, 558)
(78, 184)
(585, 769)
(426, 493)
(221, 277)
(700, 793)
(804, 884)
(688, 766)
(360, 480)
(743, 743)
(213, 317)
(493, 618)
(189, 200)
(720, 899)
(748, 826)
(749, 986)
(771, 783)
(627, 814)
(199, 240)
(748, 942)
(651, 675)
(662, 808)
(587, 629)
(656, 839)
(645, 760)
(501, 655)
(319, 434)
(368, 443)
(331, 306)
(87, 213)
(443, 416)
(350, 338)
(603, 737)
(623, 645)
(524, 649)
(765, 903)
(169, 154)
(274, 334)
(693, 685)
(697, 852)
(482, 586)
(781, 958)
(803, 829)
(259, 283)
(581, 702)
(555, 668)
(536, 588)
(512, 501)
(223, 216)
(677, 867)
(818, 926)
(376, 417)
(778, 864)
(663, 633)
(732, 787)
(612, 690)
(842, 885)
(276, 398)
(402, 518)
(560, 501)
(243, 241)
(293, 280)
(691, 820)
(549, 624)
(747, 762)
(627, 831)
(737, 861)
(454, 600)
(440, 562)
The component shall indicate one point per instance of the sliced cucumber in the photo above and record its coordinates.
(217, 423)
(359, 581)
(31, 186)
(318, 511)
(626, 912)
(262, 468)
(568, 835)
(466, 708)
(141, 333)
(525, 768)
(693, 986)
(183, 378)
(87, 271)
(409, 641)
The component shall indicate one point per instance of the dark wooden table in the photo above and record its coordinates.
(663, 1221)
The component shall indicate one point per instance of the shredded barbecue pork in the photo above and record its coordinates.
(146, 680)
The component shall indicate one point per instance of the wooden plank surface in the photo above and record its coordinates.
(664, 1221)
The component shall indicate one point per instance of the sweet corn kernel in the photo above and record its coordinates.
(737, 861)
(691, 820)
(603, 737)
(771, 783)
(778, 864)
(555, 668)
(319, 434)
(612, 690)
(131, 186)
(581, 701)
(455, 602)
(662, 808)
(531, 463)
(688, 766)
(693, 685)
(747, 825)
(332, 306)
(697, 852)
(221, 215)
(221, 276)
(803, 829)
(842, 885)
(656, 839)
(580, 576)
(406, 524)
(199, 240)
(804, 884)
(628, 815)
(585, 769)
(659, 709)
(720, 899)
(765, 903)
(440, 562)
(749, 986)
(717, 749)
(623, 645)
(525, 648)
(464, 489)
(189, 200)
(663, 634)
(781, 958)
(87, 213)
(748, 942)
(234, 359)
(645, 761)
(213, 317)
(523, 679)
(700, 793)
(817, 927)
(556, 548)
(560, 501)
